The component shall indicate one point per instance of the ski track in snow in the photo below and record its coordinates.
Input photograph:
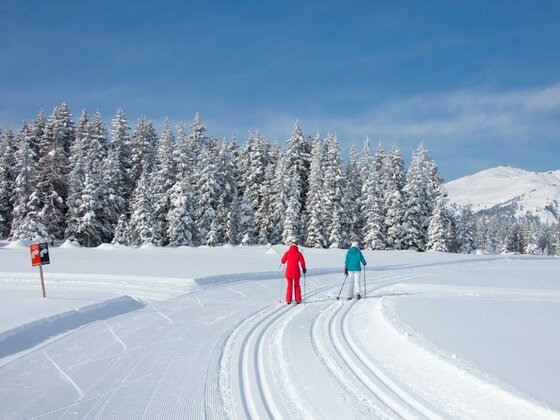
(117, 338)
(65, 376)
(248, 359)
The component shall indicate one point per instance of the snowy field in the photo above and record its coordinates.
(201, 333)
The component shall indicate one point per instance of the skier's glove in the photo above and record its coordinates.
(345, 271)
(304, 270)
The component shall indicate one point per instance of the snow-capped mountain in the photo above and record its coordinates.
(511, 190)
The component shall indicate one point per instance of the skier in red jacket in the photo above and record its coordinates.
(294, 258)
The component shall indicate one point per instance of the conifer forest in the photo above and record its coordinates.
(87, 182)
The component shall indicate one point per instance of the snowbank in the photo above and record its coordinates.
(29, 335)
(70, 244)
(19, 244)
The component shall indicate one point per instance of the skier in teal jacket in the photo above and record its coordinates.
(353, 263)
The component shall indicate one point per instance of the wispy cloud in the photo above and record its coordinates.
(464, 115)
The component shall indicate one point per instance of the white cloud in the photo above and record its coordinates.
(474, 115)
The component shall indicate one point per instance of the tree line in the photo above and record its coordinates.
(61, 179)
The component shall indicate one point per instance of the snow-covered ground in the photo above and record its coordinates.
(201, 333)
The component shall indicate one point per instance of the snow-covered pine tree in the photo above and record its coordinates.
(246, 223)
(266, 226)
(230, 175)
(364, 167)
(196, 141)
(417, 206)
(297, 163)
(393, 199)
(439, 225)
(465, 229)
(207, 190)
(52, 170)
(89, 221)
(144, 140)
(292, 219)
(231, 191)
(180, 221)
(434, 184)
(379, 164)
(372, 206)
(121, 235)
(140, 230)
(253, 161)
(316, 237)
(38, 132)
(25, 223)
(162, 180)
(90, 230)
(7, 178)
(556, 240)
(280, 195)
(114, 187)
(121, 146)
(350, 222)
(234, 221)
(77, 175)
(333, 187)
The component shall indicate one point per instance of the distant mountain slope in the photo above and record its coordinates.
(510, 190)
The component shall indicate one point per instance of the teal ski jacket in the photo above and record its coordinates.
(353, 259)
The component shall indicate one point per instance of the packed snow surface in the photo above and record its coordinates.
(203, 333)
(530, 192)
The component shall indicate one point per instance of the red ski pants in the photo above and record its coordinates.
(291, 284)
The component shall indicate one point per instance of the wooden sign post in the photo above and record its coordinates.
(40, 257)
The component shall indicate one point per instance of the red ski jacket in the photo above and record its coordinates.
(294, 258)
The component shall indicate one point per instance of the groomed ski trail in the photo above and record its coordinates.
(230, 350)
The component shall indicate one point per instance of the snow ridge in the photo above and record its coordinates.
(34, 333)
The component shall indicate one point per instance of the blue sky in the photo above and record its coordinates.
(477, 82)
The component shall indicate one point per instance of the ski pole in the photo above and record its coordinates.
(340, 291)
(281, 281)
(304, 285)
(365, 289)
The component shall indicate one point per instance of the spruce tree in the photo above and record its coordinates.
(253, 161)
(140, 227)
(280, 196)
(246, 223)
(333, 187)
(121, 147)
(350, 223)
(25, 223)
(163, 178)
(417, 204)
(38, 133)
(207, 191)
(297, 163)
(393, 199)
(113, 186)
(144, 140)
(180, 217)
(374, 234)
(439, 226)
(77, 175)
(53, 168)
(7, 178)
(316, 237)
(465, 230)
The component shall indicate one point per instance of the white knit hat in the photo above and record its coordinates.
(355, 244)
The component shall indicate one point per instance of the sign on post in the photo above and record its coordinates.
(40, 257)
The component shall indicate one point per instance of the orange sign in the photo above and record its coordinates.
(35, 254)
